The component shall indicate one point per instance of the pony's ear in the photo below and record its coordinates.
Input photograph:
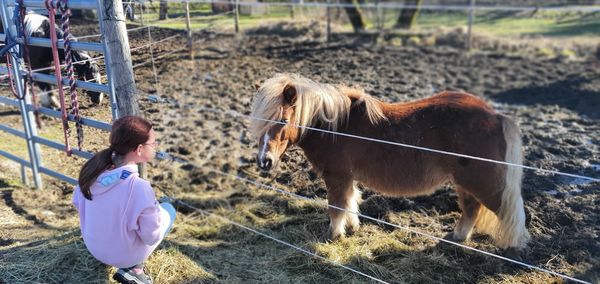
(289, 94)
(257, 85)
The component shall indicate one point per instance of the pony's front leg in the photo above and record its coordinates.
(341, 194)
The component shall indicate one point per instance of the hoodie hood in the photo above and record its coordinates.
(109, 179)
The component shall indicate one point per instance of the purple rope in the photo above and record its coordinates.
(65, 16)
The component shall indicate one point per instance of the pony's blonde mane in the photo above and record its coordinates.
(330, 105)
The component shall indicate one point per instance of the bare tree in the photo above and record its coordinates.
(407, 16)
(354, 15)
(164, 10)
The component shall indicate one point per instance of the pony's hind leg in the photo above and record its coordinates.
(341, 194)
(501, 214)
(470, 209)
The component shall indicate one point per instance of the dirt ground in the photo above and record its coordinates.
(555, 101)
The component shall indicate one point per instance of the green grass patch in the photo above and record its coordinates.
(506, 24)
(549, 24)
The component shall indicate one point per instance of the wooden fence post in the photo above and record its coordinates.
(471, 16)
(118, 59)
(189, 30)
(237, 16)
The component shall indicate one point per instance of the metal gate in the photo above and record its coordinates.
(17, 72)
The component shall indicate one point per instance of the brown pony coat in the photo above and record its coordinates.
(489, 193)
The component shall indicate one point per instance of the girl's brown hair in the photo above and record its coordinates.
(126, 134)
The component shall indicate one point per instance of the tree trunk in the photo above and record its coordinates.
(408, 15)
(354, 15)
(164, 10)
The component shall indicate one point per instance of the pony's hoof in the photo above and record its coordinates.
(513, 253)
(351, 231)
(451, 237)
(325, 238)
(329, 237)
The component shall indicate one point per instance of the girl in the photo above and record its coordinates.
(121, 221)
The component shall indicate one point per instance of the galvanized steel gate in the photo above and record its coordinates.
(17, 72)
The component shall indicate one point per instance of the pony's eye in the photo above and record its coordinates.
(284, 120)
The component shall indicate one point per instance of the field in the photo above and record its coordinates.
(555, 99)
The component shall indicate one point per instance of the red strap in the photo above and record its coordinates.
(10, 78)
(63, 109)
(34, 101)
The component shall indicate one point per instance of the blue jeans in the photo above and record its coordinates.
(172, 213)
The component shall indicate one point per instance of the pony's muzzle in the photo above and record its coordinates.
(265, 162)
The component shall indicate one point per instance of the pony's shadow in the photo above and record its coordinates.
(442, 202)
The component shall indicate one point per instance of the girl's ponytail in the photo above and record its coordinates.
(92, 169)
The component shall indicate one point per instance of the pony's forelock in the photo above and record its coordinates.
(314, 103)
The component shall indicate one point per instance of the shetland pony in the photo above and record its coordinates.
(489, 193)
(37, 25)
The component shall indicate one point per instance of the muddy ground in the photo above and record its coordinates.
(555, 101)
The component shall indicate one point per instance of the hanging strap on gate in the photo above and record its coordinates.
(10, 78)
(20, 13)
(9, 43)
(65, 16)
(57, 74)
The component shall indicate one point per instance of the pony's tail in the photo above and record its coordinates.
(507, 225)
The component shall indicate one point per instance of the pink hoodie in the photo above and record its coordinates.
(123, 222)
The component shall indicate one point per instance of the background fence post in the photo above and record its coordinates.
(188, 26)
(470, 28)
(119, 67)
(328, 20)
(237, 16)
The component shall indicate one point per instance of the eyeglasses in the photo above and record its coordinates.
(153, 144)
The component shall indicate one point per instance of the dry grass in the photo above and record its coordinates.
(47, 248)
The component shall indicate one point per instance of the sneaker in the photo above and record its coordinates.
(132, 276)
(166, 199)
